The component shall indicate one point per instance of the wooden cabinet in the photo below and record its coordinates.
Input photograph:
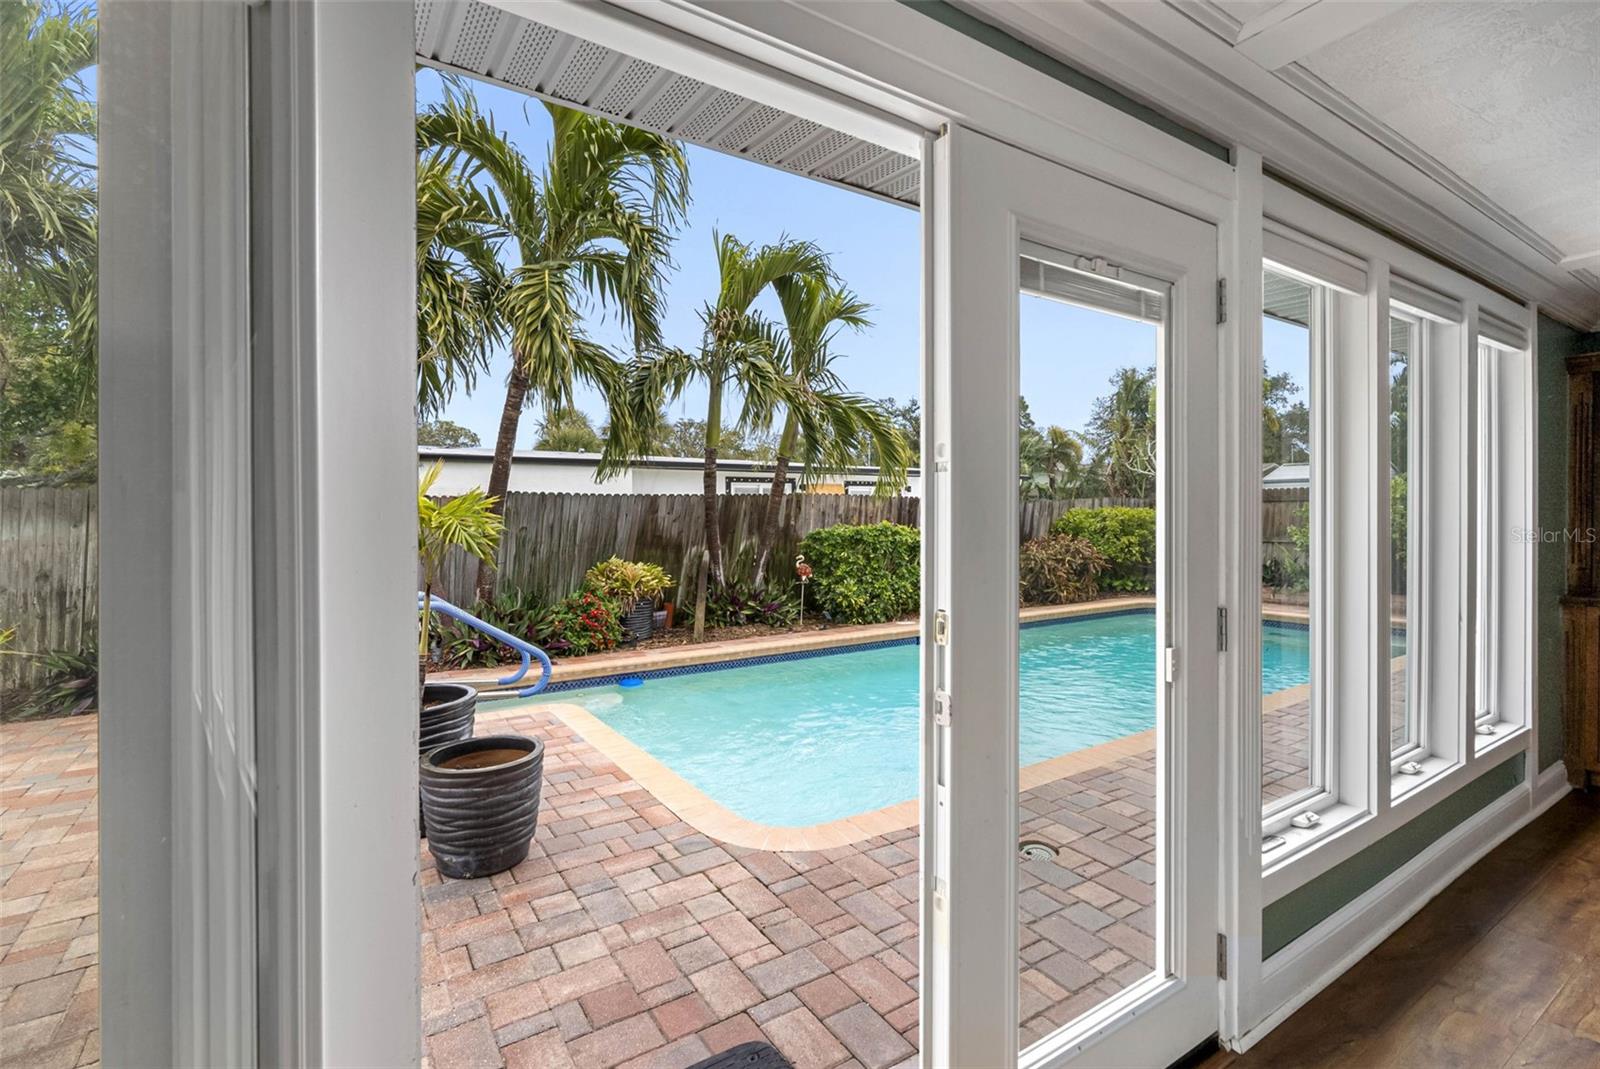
(1580, 609)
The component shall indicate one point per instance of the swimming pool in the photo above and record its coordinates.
(807, 739)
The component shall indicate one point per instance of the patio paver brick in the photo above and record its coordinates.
(573, 958)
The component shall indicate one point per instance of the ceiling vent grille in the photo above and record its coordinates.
(477, 38)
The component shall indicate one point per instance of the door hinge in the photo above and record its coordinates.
(1222, 956)
(1222, 629)
(1222, 300)
(1172, 664)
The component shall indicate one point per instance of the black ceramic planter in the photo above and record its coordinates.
(448, 713)
(641, 620)
(480, 801)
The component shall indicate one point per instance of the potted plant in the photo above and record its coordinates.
(466, 522)
(480, 802)
(633, 584)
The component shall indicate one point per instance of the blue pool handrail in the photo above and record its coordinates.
(522, 646)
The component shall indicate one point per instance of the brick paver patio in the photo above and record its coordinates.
(49, 894)
(627, 937)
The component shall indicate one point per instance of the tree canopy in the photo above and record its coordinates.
(48, 329)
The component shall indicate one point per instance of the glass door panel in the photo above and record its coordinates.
(1089, 686)
(1072, 842)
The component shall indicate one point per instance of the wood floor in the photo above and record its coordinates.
(1501, 970)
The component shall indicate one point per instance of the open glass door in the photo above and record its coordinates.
(1074, 841)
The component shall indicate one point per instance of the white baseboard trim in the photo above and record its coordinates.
(1319, 957)
(1550, 785)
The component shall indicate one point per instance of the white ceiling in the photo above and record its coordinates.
(1484, 114)
(1507, 95)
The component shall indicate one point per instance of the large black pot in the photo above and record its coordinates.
(641, 620)
(480, 799)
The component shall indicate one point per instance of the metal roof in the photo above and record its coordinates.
(485, 41)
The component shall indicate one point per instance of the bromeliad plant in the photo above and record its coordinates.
(628, 582)
(467, 521)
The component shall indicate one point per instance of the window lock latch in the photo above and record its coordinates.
(1307, 820)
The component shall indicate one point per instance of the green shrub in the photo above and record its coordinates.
(1286, 566)
(1397, 526)
(70, 687)
(629, 582)
(864, 574)
(737, 604)
(578, 624)
(1125, 537)
(1057, 569)
(458, 645)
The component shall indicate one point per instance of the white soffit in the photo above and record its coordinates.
(485, 41)
(1470, 201)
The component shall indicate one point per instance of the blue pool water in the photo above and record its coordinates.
(810, 739)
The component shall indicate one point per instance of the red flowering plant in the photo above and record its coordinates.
(579, 623)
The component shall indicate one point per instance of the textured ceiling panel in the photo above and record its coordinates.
(1507, 95)
(477, 38)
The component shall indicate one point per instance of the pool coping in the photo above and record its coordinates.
(714, 819)
(710, 817)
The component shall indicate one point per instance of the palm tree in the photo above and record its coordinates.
(1122, 429)
(47, 198)
(738, 347)
(459, 281)
(594, 226)
(468, 522)
(830, 427)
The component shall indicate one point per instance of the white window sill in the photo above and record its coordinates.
(1505, 732)
(1334, 842)
(1296, 841)
(1402, 785)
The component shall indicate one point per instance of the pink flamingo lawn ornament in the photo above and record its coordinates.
(803, 570)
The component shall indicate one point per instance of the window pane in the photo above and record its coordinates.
(1288, 594)
(1404, 722)
(1088, 696)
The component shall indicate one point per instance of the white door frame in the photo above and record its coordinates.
(989, 197)
(257, 471)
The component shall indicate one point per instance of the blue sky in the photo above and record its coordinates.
(1068, 353)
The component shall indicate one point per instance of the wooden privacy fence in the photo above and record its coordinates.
(552, 539)
(49, 549)
(49, 574)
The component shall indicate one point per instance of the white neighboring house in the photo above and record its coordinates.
(554, 471)
(1287, 477)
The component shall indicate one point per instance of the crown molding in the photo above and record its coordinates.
(1179, 56)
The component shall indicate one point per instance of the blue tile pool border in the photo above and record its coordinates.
(594, 682)
(798, 655)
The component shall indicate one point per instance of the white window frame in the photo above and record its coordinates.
(1342, 448)
(1416, 748)
(1502, 633)
(1450, 304)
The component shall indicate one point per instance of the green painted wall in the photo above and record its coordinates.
(1556, 342)
(971, 26)
(1305, 907)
